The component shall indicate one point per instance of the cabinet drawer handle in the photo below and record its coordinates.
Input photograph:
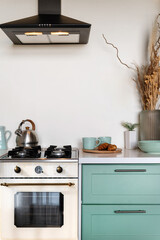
(130, 211)
(130, 170)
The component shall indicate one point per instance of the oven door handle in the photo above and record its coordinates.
(37, 184)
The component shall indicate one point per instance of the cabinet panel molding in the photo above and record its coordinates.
(121, 184)
(133, 222)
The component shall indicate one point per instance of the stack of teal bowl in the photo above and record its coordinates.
(149, 146)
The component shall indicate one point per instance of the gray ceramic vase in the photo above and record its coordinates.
(150, 125)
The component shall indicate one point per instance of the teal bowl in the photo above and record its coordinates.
(149, 146)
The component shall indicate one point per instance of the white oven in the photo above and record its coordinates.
(37, 206)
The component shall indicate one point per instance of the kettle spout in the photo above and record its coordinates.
(18, 132)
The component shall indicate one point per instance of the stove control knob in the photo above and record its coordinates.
(17, 169)
(38, 170)
(59, 169)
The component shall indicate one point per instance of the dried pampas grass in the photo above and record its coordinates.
(148, 77)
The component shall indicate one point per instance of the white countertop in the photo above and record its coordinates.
(125, 157)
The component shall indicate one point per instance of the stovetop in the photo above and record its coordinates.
(52, 153)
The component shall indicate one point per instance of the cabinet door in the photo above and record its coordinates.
(120, 222)
(121, 184)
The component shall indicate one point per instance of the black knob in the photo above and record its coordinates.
(17, 169)
(59, 169)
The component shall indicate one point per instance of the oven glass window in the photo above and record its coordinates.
(38, 209)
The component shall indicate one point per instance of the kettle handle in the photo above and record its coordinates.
(28, 120)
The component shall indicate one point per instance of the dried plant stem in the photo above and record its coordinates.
(147, 77)
(117, 52)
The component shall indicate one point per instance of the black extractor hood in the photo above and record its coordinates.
(48, 27)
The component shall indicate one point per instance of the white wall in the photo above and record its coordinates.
(76, 90)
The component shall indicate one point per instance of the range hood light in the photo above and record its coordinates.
(60, 33)
(33, 33)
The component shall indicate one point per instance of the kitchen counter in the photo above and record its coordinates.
(116, 191)
(126, 157)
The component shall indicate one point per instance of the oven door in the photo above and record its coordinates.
(36, 210)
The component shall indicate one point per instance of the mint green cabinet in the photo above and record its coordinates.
(121, 184)
(120, 202)
(101, 222)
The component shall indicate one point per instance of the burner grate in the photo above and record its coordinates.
(25, 152)
(54, 152)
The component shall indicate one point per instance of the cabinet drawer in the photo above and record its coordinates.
(120, 222)
(121, 184)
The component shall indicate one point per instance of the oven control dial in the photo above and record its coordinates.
(38, 170)
(59, 169)
(17, 169)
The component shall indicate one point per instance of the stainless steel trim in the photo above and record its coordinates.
(42, 160)
(130, 211)
(37, 184)
(130, 170)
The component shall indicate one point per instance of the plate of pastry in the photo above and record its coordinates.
(104, 148)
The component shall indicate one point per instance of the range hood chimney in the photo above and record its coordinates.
(48, 27)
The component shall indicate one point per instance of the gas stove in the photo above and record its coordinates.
(39, 193)
(65, 153)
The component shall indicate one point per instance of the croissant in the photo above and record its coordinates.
(112, 147)
(103, 146)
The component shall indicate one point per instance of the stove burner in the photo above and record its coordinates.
(25, 152)
(54, 152)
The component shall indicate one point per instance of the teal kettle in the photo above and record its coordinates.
(3, 137)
